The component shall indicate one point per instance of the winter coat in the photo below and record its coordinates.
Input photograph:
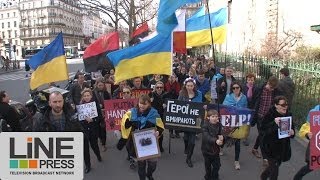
(158, 101)
(256, 99)
(173, 89)
(230, 100)
(222, 90)
(203, 87)
(130, 123)
(287, 87)
(275, 148)
(11, 116)
(251, 102)
(210, 134)
(45, 124)
(196, 98)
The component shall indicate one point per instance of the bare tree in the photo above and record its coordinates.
(274, 47)
(131, 12)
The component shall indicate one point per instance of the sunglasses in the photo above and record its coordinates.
(283, 105)
(126, 92)
(159, 87)
(236, 87)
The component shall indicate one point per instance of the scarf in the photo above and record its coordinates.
(249, 92)
(151, 117)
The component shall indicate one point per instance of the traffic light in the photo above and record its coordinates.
(14, 48)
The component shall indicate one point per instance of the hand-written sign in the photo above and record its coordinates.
(114, 111)
(315, 140)
(88, 110)
(182, 115)
(135, 93)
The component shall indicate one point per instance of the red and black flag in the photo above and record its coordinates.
(141, 32)
(94, 57)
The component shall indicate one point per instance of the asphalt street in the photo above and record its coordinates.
(170, 166)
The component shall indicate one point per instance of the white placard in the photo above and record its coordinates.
(284, 127)
(146, 144)
(87, 110)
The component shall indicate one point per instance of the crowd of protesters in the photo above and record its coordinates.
(192, 79)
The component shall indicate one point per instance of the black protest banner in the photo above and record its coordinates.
(183, 115)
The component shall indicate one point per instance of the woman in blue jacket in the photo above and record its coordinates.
(189, 92)
(238, 99)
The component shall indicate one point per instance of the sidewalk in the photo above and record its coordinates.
(3, 70)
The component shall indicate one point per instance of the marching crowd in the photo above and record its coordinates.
(193, 79)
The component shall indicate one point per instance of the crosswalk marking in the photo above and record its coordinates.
(21, 76)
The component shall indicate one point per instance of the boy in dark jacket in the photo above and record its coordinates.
(210, 147)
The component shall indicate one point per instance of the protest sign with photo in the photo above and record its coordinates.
(114, 111)
(182, 115)
(235, 120)
(96, 75)
(284, 127)
(135, 93)
(146, 144)
(315, 140)
(88, 110)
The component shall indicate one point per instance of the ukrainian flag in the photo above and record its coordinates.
(149, 57)
(49, 64)
(153, 56)
(198, 28)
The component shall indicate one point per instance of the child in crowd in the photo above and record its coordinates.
(211, 142)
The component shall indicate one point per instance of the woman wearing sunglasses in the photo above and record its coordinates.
(158, 96)
(276, 150)
(238, 99)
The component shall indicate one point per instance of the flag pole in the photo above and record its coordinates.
(212, 44)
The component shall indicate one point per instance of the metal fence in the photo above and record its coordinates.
(306, 77)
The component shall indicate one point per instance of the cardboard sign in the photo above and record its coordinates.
(87, 110)
(315, 140)
(135, 93)
(183, 115)
(114, 111)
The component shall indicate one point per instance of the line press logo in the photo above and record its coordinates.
(42, 155)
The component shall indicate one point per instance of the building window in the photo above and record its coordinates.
(3, 36)
(2, 25)
(15, 33)
(15, 24)
(14, 14)
(8, 24)
(8, 15)
(16, 42)
(9, 34)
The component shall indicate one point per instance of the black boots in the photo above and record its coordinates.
(87, 170)
(189, 155)
(185, 147)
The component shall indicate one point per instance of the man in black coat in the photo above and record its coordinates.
(224, 84)
(9, 113)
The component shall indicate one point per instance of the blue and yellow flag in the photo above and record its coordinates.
(49, 64)
(167, 19)
(153, 56)
(149, 57)
(198, 28)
